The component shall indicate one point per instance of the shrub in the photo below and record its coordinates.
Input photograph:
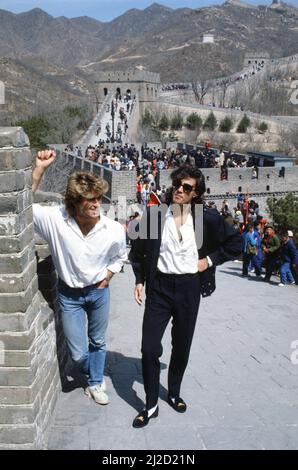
(226, 125)
(243, 125)
(284, 213)
(176, 122)
(163, 123)
(57, 127)
(210, 122)
(263, 127)
(147, 119)
(194, 121)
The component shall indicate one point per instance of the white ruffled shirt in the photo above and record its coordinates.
(178, 256)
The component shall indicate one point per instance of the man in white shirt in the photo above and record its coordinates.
(221, 158)
(87, 249)
(176, 272)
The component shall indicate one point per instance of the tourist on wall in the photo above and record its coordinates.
(250, 252)
(270, 247)
(288, 258)
(176, 274)
(87, 249)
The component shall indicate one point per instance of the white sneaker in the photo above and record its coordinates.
(103, 387)
(281, 285)
(98, 393)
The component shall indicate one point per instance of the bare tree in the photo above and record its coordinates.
(289, 140)
(200, 84)
(223, 92)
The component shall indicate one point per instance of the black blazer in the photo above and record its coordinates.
(221, 242)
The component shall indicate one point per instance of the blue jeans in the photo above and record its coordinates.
(285, 273)
(84, 314)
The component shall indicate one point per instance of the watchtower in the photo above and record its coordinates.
(142, 83)
(256, 59)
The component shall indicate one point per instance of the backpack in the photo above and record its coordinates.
(251, 249)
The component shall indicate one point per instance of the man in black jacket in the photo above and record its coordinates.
(174, 252)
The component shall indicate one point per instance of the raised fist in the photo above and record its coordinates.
(45, 158)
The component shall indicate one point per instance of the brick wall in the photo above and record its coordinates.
(242, 177)
(268, 184)
(29, 365)
(120, 182)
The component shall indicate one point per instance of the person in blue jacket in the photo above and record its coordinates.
(258, 237)
(250, 252)
(289, 257)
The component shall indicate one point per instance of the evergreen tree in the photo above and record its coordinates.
(37, 129)
(263, 127)
(243, 125)
(210, 122)
(55, 127)
(163, 123)
(194, 121)
(284, 213)
(176, 122)
(147, 119)
(226, 124)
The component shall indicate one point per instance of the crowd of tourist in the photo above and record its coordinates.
(114, 157)
(175, 86)
(245, 75)
(264, 249)
(262, 246)
(127, 157)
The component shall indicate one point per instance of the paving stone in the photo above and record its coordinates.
(118, 438)
(68, 438)
(219, 438)
(240, 384)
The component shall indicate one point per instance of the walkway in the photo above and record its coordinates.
(241, 387)
(107, 119)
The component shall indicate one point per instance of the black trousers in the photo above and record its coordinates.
(246, 260)
(176, 297)
(271, 261)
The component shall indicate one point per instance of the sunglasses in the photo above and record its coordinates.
(187, 188)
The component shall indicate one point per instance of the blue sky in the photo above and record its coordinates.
(104, 10)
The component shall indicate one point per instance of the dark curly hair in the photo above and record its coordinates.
(188, 171)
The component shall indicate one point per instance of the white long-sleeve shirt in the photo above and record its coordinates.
(178, 256)
(80, 260)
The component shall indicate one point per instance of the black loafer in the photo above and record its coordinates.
(178, 404)
(143, 419)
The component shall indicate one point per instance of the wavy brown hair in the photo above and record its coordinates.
(82, 184)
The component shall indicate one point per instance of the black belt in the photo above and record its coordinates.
(161, 274)
(63, 284)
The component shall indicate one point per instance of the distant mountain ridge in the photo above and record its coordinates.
(154, 38)
(158, 38)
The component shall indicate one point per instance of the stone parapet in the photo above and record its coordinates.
(269, 181)
(29, 367)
